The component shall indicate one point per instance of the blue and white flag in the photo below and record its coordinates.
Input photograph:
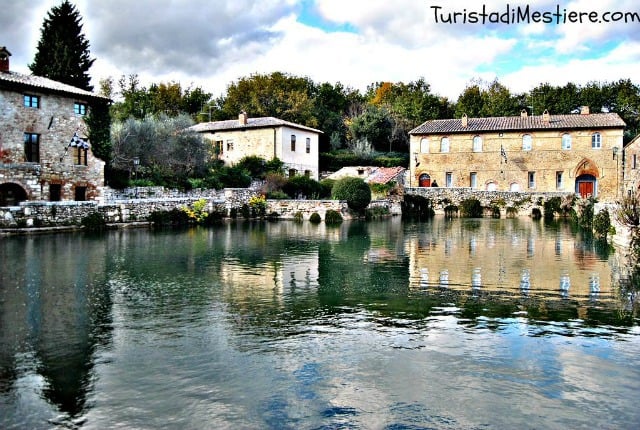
(77, 142)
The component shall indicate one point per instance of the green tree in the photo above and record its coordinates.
(63, 51)
(279, 95)
(375, 126)
(354, 190)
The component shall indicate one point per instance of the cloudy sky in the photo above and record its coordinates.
(211, 43)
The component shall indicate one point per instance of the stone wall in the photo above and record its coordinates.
(523, 202)
(55, 122)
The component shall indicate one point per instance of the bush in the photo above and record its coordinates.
(93, 222)
(258, 205)
(315, 218)
(471, 208)
(450, 211)
(277, 195)
(354, 190)
(512, 212)
(602, 224)
(416, 207)
(552, 207)
(173, 218)
(377, 212)
(298, 217)
(332, 217)
(495, 211)
(303, 186)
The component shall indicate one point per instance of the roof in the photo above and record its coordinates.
(520, 123)
(234, 124)
(383, 175)
(44, 84)
(380, 175)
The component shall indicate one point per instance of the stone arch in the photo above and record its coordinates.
(11, 194)
(586, 167)
(586, 174)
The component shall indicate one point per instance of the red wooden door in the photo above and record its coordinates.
(585, 189)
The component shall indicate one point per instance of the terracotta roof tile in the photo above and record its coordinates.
(383, 175)
(38, 82)
(513, 123)
(234, 124)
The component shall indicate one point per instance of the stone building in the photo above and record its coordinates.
(44, 152)
(632, 166)
(579, 153)
(267, 137)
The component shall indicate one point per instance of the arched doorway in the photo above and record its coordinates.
(586, 174)
(586, 186)
(424, 180)
(11, 194)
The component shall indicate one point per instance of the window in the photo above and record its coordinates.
(559, 179)
(634, 161)
(596, 141)
(477, 144)
(80, 156)
(444, 144)
(526, 142)
(32, 147)
(293, 143)
(219, 146)
(308, 145)
(566, 141)
(448, 180)
(424, 145)
(473, 180)
(31, 101)
(55, 192)
(80, 108)
(292, 172)
(230, 145)
(81, 194)
(307, 173)
(532, 179)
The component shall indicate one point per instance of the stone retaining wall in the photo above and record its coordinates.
(524, 202)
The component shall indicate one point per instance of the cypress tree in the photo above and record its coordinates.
(63, 51)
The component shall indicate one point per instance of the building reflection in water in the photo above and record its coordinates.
(55, 309)
(525, 258)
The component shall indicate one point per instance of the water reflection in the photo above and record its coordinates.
(254, 324)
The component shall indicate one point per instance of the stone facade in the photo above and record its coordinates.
(295, 145)
(48, 113)
(547, 153)
(632, 166)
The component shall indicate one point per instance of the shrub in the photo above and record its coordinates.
(450, 211)
(303, 186)
(196, 212)
(298, 217)
(471, 208)
(332, 217)
(377, 212)
(315, 218)
(536, 213)
(602, 224)
(585, 214)
(93, 222)
(277, 195)
(552, 207)
(174, 217)
(354, 190)
(495, 211)
(258, 205)
(416, 207)
(512, 212)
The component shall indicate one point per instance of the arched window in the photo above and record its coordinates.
(492, 186)
(526, 142)
(477, 144)
(424, 145)
(566, 141)
(596, 141)
(514, 186)
(444, 144)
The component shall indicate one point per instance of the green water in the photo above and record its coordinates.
(462, 324)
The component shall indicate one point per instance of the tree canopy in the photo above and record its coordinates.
(63, 51)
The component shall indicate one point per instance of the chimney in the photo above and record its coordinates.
(242, 118)
(584, 110)
(523, 113)
(4, 59)
(465, 121)
(546, 118)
